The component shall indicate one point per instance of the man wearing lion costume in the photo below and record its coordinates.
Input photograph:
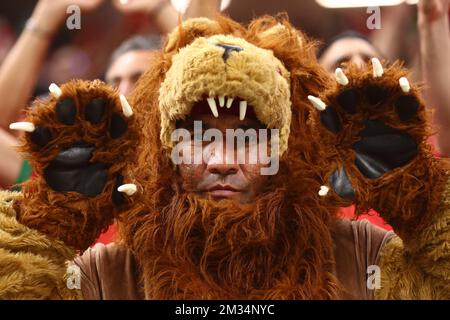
(220, 230)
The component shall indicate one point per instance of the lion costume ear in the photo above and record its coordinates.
(188, 31)
(295, 50)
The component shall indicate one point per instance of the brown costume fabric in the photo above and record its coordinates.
(418, 268)
(32, 266)
(69, 216)
(410, 195)
(111, 272)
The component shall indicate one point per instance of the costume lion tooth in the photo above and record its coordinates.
(341, 78)
(213, 106)
(55, 90)
(229, 102)
(377, 68)
(404, 84)
(126, 108)
(323, 191)
(129, 189)
(221, 101)
(22, 126)
(317, 103)
(242, 109)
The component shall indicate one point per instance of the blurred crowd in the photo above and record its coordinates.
(117, 38)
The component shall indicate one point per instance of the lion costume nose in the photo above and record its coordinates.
(228, 50)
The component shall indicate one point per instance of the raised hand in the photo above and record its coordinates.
(378, 124)
(49, 14)
(79, 143)
(432, 9)
(142, 6)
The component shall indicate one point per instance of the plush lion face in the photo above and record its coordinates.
(226, 68)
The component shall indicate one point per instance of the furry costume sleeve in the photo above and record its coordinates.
(32, 266)
(418, 268)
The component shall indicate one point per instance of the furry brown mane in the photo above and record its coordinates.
(279, 247)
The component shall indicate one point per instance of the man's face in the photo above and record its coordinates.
(215, 177)
(126, 70)
(354, 50)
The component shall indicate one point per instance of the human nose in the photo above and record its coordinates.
(221, 163)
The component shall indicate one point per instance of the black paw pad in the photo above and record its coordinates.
(390, 147)
(341, 184)
(77, 155)
(330, 119)
(118, 197)
(118, 126)
(377, 127)
(376, 95)
(349, 100)
(66, 111)
(88, 180)
(407, 107)
(95, 110)
(371, 167)
(93, 180)
(41, 136)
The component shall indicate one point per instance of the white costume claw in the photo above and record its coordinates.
(404, 84)
(317, 103)
(323, 191)
(341, 78)
(126, 108)
(242, 109)
(221, 101)
(213, 106)
(22, 126)
(229, 102)
(377, 68)
(129, 189)
(55, 90)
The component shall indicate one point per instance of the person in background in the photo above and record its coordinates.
(349, 46)
(130, 60)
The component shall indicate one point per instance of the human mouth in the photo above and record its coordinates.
(222, 191)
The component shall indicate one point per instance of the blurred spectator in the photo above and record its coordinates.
(349, 46)
(130, 60)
